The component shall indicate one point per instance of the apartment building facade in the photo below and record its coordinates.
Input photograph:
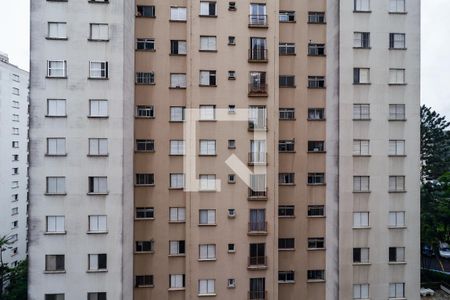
(250, 165)
(14, 159)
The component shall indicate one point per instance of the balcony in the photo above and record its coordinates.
(257, 194)
(258, 21)
(257, 262)
(257, 55)
(257, 158)
(257, 228)
(257, 125)
(257, 295)
(257, 90)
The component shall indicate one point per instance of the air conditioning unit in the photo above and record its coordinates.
(231, 213)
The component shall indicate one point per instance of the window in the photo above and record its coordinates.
(207, 217)
(99, 32)
(231, 178)
(144, 281)
(316, 146)
(231, 283)
(361, 40)
(54, 296)
(287, 113)
(206, 287)
(14, 198)
(98, 146)
(56, 68)
(361, 184)
(178, 47)
(397, 147)
(231, 144)
(97, 223)
(316, 178)
(396, 290)
(15, 157)
(177, 248)
(208, 43)
(287, 81)
(98, 108)
(176, 147)
(57, 30)
(257, 118)
(177, 214)
(176, 114)
(207, 182)
(207, 147)
(286, 244)
(397, 41)
(258, 185)
(207, 252)
(257, 83)
(15, 131)
(286, 211)
(56, 146)
(316, 49)
(315, 114)
(15, 104)
(361, 111)
(177, 281)
(15, 77)
(15, 118)
(286, 178)
(286, 48)
(176, 181)
(361, 291)
(144, 246)
(15, 171)
(396, 76)
(102, 295)
(258, 15)
(207, 9)
(207, 112)
(231, 75)
(286, 276)
(316, 17)
(145, 145)
(231, 248)
(56, 107)
(54, 263)
(98, 70)
(145, 11)
(316, 243)
(361, 75)
(286, 146)
(396, 254)
(397, 112)
(360, 219)
(55, 224)
(145, 78)
(207, 78)
(316, 211)
(315, 82)
(397, 219)
(144, 179)
(258, 49)
(145, 213)
(396, 183)
(361, 255)
(287, 16)
(178, 81)
(231, 40)
(98, 185)
(316, 275)
(145, 111)
(361, 6)
(178, 13)
(14, 184)
(56, 185)
(397, 6)
(97, 262)
(14, 211)
(361, 147)
(145, 44)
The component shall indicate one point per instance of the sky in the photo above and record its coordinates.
(435, 61)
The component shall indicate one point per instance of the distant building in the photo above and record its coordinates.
(13, 159)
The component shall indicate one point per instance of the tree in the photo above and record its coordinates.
(435, 144)
(18, 282)
(4, 269)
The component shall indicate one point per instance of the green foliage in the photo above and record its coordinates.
(18, 282)
(429, 276)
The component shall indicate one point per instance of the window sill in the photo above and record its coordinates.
(396, 192)
(362, 11)
(97, 155)
(286, 249)
(287, 54)
(177, 222)
(207, 16)
(144, 252)
(396, 227)
(56, 38)
(176, 188)
(55, 194)
(97, 194)
(397, 120)
(286, 282)
(206, 259)
(317, 88)
(205, 50)
(207, 85)
(98, 40)
(55, 272)
(178, 21)
(98, 117)
(289, 22)
(144, 151)
(97, 232)
(286, 184)
(315, 120)
(177, 87)
(202, 155)
(317, 55)
(362, 48)
(315, 280)
(316, 249)
(316, 217)
(56, 117)
(361, 264)
(145, 286)
(397, 263)
(207, 191)
(359, 228)
(98, 2)
(317, 152)
(98, 78)
(398, 48)
(141, 117)
(207, 295)
(144, 219)
(286, 217)
(287, 151)
(55, 155)
(316, 184)
(361, 83)
(176, 289)
(145, 50)
(398, 13)
(97, 271)
(56, 77)
(369, 119)
(361, 192)
(144, 84)
(177, 255)
(397, 84)
(176, 155)
(177, 54)
(286, 86)
(397, 155)
(144, 185)
(362, 155)
(145, 17)
(55, 233)
(207, 225)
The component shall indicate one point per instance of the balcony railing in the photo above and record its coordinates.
(257, 21)
(257, 227)
(257, 90)
(257, 158)
(258, 124)
(257, 194)
(257, 261)
(257, 55)
(257, 295)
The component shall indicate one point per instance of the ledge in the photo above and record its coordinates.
(55, 272)
(361, 264)
(97, 117)
(97, 194)
(97, 155)
(398, 48)
(97, 271)
(143, 252)
(369, 119)
(286, 249)
(286, 282)
(397, 84)
(398, 13)
(362, 11)
(97, 232)
(207, 16)
(55, 233)
(315, 280)
(207, 225)
(97, 40)
(316, 249)
(55, 194)
(397, 227)
(49, 116)
(362, 48)
(145, 286)
(55, 155)
(397, 263)
(176, 289)
(56, 77)
(98, 78)
(144, 185)
(143, 219)
(397, 155)
(206, 259)
(359, 228)
(361, 192)
(56, 38)
(316, 151)
(177, 255)
(397, 120)
(396, 192)
(362, 155)
(145, 50)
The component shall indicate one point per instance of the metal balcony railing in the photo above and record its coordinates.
(257, 295)
(257, 55)
(257, 89)
(255, 261)
(257, 158)
(257, 227)
(257, 194)
(257, 21)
